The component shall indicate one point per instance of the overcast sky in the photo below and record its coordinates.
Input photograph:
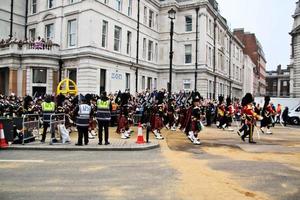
(270, 20)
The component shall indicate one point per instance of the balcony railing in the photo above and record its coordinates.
(38, 47)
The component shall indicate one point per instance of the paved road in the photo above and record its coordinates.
(179, 170)
(85, 175)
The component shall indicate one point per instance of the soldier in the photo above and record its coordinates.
(103, 116)
(267, 113)
(171, 109)
(229, 114)
(221, 109)
(83, 112)
(194, 124)
(250, 117)
(48, 108)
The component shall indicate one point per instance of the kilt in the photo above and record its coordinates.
(195, 126)
(122, 123)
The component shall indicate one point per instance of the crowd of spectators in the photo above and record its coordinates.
(39, 43)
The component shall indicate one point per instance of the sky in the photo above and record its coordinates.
(270, 20)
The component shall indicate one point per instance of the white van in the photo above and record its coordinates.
(294, 115)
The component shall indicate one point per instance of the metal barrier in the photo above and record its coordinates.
(31, 127)
(56, 119)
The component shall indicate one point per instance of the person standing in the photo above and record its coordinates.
(250, 117)
(83, 112)
(48, 108)
(103, 117)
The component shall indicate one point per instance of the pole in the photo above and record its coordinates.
(196, 63)
(137, 47)
(26, 20)
(214, 59)
(11, 18)
(171, 58)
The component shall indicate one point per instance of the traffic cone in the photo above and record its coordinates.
(140, 137)
(3, 143)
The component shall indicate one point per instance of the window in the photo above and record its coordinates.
(72, 30)
(118, 5)
(49, 32)
(187, 84)
(128, 46)
(104, 33)
(117, 38)
(50, 3)
(33, 6)
(143, 82)
(39, 76)
(149, 83)
(188, 53)
(145, 15)
(188, 23)
(150, 50)
(144, 48)
(155, 84)
(32, 34)
(127, 84)
(129, 7)
(151, 15)
(73, 74)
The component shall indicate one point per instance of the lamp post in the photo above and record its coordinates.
(171, 14)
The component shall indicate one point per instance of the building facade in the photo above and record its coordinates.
(254, 50)
(295, 55)
(248, 75)
(124, 44)
(278, 82)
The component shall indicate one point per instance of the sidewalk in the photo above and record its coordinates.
(116, 144)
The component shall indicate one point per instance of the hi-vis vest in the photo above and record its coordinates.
(103, 110)
(48, 109)
(83, 117)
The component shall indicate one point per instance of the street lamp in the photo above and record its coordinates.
(171, 14)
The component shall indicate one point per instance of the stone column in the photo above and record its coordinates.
(55, 81)
(13, 81)
(278, 87)
(24, 83)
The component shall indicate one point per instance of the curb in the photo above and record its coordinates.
(84, 148)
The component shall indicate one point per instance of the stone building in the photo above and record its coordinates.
(94, 42)
(295, 55)
(278, 82)
(254, 50)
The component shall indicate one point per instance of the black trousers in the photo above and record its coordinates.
(101, 125)
(249, 132)
(45, 126)
(83, 131)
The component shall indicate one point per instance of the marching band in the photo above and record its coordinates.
(187, 112)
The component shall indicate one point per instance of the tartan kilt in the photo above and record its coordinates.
(122, 123)
(157, 122)
(195, 126)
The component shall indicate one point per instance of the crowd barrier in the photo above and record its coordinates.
(30, 127)
(55, 120)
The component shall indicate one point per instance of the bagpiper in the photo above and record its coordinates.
(194, 125)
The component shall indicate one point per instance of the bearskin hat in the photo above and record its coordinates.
(221, 99)
(248, 98)
(88, 97)
(60, 99)
(228, 101)
(267, 99)
(196, 96)
(27, 100)
(160, 97)
(125, 98)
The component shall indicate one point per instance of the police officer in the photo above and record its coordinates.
(103, 117)
(83, 112)
(48, 108)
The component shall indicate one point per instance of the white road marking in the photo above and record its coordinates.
(23, 161)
